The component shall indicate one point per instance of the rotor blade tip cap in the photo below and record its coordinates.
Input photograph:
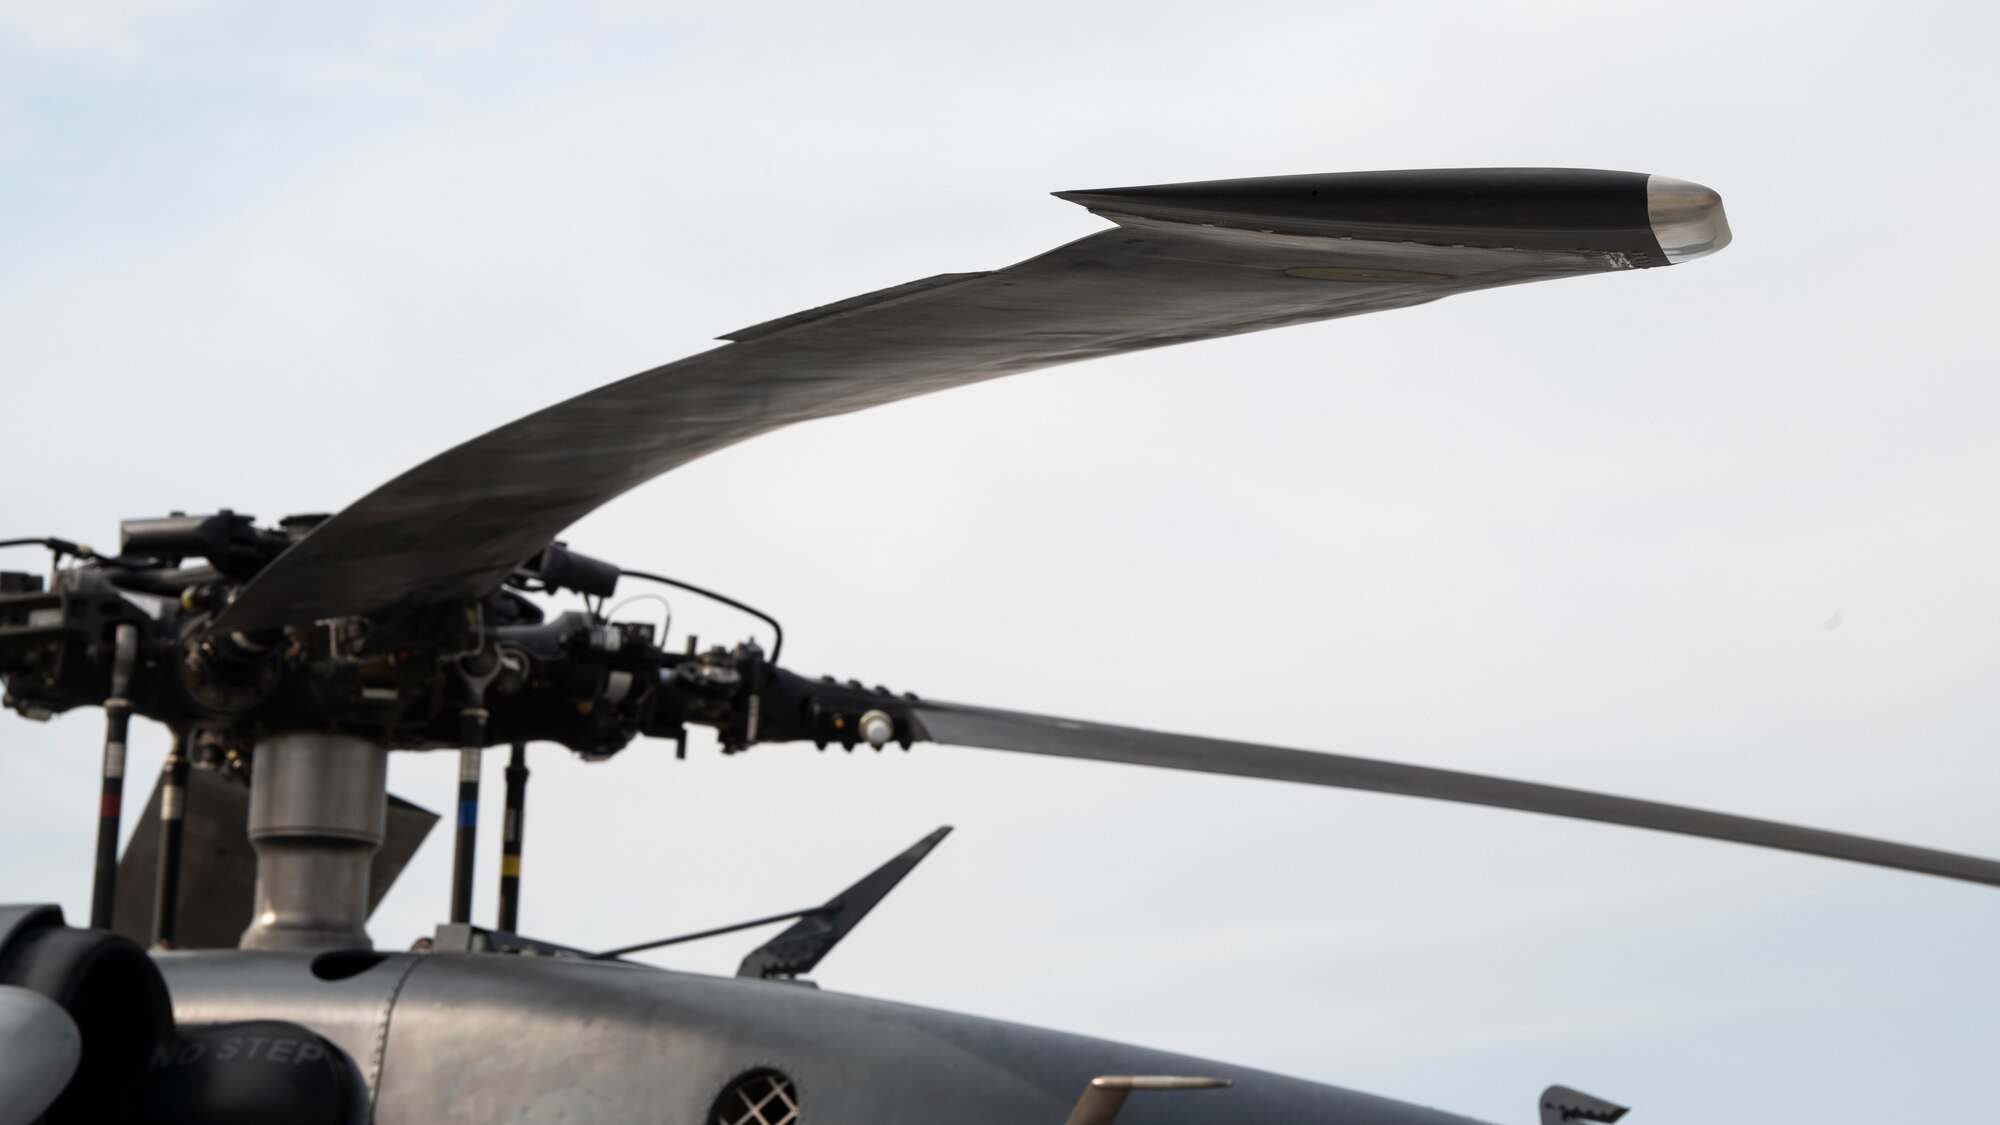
(1687, 218)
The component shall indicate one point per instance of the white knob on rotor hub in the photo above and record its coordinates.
(877, 728)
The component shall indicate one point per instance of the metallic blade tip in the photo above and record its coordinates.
(1687, 219)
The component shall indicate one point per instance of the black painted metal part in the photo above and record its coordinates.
(173, 838)
(512, 829)
(799, 949)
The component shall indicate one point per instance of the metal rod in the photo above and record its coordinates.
(510, 839)
(717, 932)
(173, 822)
(111, 797)
(468, 834)
(104, 882)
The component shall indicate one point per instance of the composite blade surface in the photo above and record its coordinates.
(991, 729)
(1184, 262)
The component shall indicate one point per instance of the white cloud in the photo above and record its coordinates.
(110, 30)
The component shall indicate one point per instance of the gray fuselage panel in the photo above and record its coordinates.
(448, 1037)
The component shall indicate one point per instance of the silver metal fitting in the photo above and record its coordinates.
(318, 808)
(877, 728)
(1688, 220)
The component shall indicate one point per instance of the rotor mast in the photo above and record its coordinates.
(318, 812)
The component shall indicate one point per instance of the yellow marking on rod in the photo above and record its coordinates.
(510, 865)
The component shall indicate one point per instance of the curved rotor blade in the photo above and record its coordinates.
(1185, 262)
(1064, 738)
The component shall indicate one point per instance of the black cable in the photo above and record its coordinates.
(777, 630)
(59, 546)
(643, 946)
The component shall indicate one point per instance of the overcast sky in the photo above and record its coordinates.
(1721, 534)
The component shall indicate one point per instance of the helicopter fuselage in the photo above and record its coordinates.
(442, 1037)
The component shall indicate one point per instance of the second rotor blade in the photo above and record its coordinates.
(1064, 738)
(1184, 262)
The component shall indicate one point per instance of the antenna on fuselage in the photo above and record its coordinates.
(819, 928)
(797, 950)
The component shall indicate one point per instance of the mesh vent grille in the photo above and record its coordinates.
(761, 1097)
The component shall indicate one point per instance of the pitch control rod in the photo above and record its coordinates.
(477, 671)
(510, 839)
(117, 725)
(467, 841)
(173, 822)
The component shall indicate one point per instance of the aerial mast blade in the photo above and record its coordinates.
(801, 947)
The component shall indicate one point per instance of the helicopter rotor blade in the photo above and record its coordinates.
(990, 729)
(1184, 262)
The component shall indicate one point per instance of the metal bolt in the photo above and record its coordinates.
(878, 728)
